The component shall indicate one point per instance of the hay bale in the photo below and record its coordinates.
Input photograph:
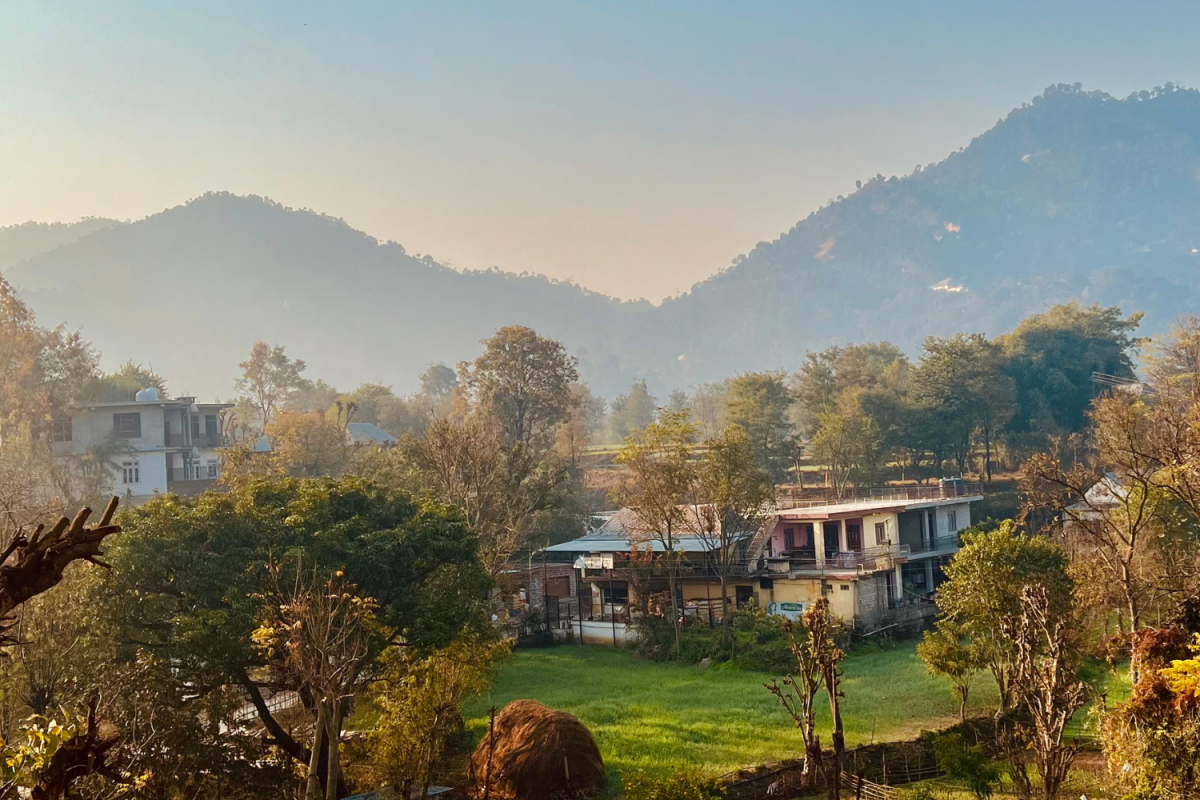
(536, 753)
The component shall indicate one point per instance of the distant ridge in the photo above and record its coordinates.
(1075, 194)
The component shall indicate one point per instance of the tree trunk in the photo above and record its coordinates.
(962, 704)
(674, 606)
(725, 620)
(987, 452)
(838, 737)
(313, 789)
(334, 735)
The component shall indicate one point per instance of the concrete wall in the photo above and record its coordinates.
(91, 428)
(152, 474)
(602, 632)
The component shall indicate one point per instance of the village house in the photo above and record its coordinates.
(147, 446)
(870, 555)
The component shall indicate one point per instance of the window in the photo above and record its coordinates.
(129, 473)
(213, 471)
(61, 429)
(195, 427)
(952, 521)
(128, 426)
(845, 587)
(210, 426)
(789, 538)
(881, 533)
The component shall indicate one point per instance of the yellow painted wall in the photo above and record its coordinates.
(841, 601)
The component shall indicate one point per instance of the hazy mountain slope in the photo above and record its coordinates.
(19, 242)
(190, 289)
(1075, 194)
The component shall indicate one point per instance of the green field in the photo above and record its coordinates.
(660, 717)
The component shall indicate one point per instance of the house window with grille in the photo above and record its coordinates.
(128, 426)
(195, 428)
(129, 473)
(212, 470)
(952, 521)
(881, 533)
(61, 429)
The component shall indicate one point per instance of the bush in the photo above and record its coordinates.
(752, 641)
(685, 785)
(970, 765)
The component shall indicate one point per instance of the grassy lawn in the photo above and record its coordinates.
(660, 717)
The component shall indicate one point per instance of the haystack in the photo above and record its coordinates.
(536, 753)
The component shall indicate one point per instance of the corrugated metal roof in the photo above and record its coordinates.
(620, 532)
(368, 432)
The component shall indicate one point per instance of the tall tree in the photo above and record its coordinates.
(983, 590)
(1053, 356)
(660, 486)
(523, 381)
(758, 402)
(708, 408)
(847, 443)
(961, 381)
(269, 379)
(632, 411)
(734, 494)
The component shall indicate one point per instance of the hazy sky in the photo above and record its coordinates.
(632, 147)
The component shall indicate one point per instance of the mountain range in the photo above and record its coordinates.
(1073, 195)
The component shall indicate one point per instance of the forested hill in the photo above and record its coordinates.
(189, 290)
(1073, 195)
(1076, 194)
(19, 242)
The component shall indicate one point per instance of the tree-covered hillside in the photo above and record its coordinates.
(1076, 194)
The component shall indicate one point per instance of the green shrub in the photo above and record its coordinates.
(685, 785)
(970, 765)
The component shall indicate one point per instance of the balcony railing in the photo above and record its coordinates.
(815, 498)
(947, 542)
(872, 559)
(171, 439)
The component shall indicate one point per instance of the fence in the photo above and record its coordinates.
(811, 499)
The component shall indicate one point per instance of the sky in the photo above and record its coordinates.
(632, 147)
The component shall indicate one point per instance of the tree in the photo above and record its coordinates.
(847, 442)
(633, 411)
(503, 492)
(438, 382)
(1053, 356)
(1046, 685)
(316, 396)
(308, 445)
(523, 381)
(185, 573)
(125, 383)
(269, 379)
(661, 484)
(708, 408)
(678, 401)
(876, 367)
(315, 633)
(949, 654)
(983, 589)
(733, 494)
(817, 657)
(758, 402)
(1112, 507)
(960, 380)
(420, 695)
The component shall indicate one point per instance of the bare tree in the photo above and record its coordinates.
(317, 635)
(734, 493)
(1047, 689)
(660, 489)
(817, 657)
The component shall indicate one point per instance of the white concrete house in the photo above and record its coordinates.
(149, 445)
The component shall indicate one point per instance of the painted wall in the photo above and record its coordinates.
(152, 474)
(91, 428)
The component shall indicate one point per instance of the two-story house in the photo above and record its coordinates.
(147, 446)
(868, 555)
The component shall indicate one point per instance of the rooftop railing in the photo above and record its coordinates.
(817, 498)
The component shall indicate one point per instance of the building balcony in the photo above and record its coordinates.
(179, 440)
(948, 542)
(871, 559)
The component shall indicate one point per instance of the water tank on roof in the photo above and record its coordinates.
(149, 395)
